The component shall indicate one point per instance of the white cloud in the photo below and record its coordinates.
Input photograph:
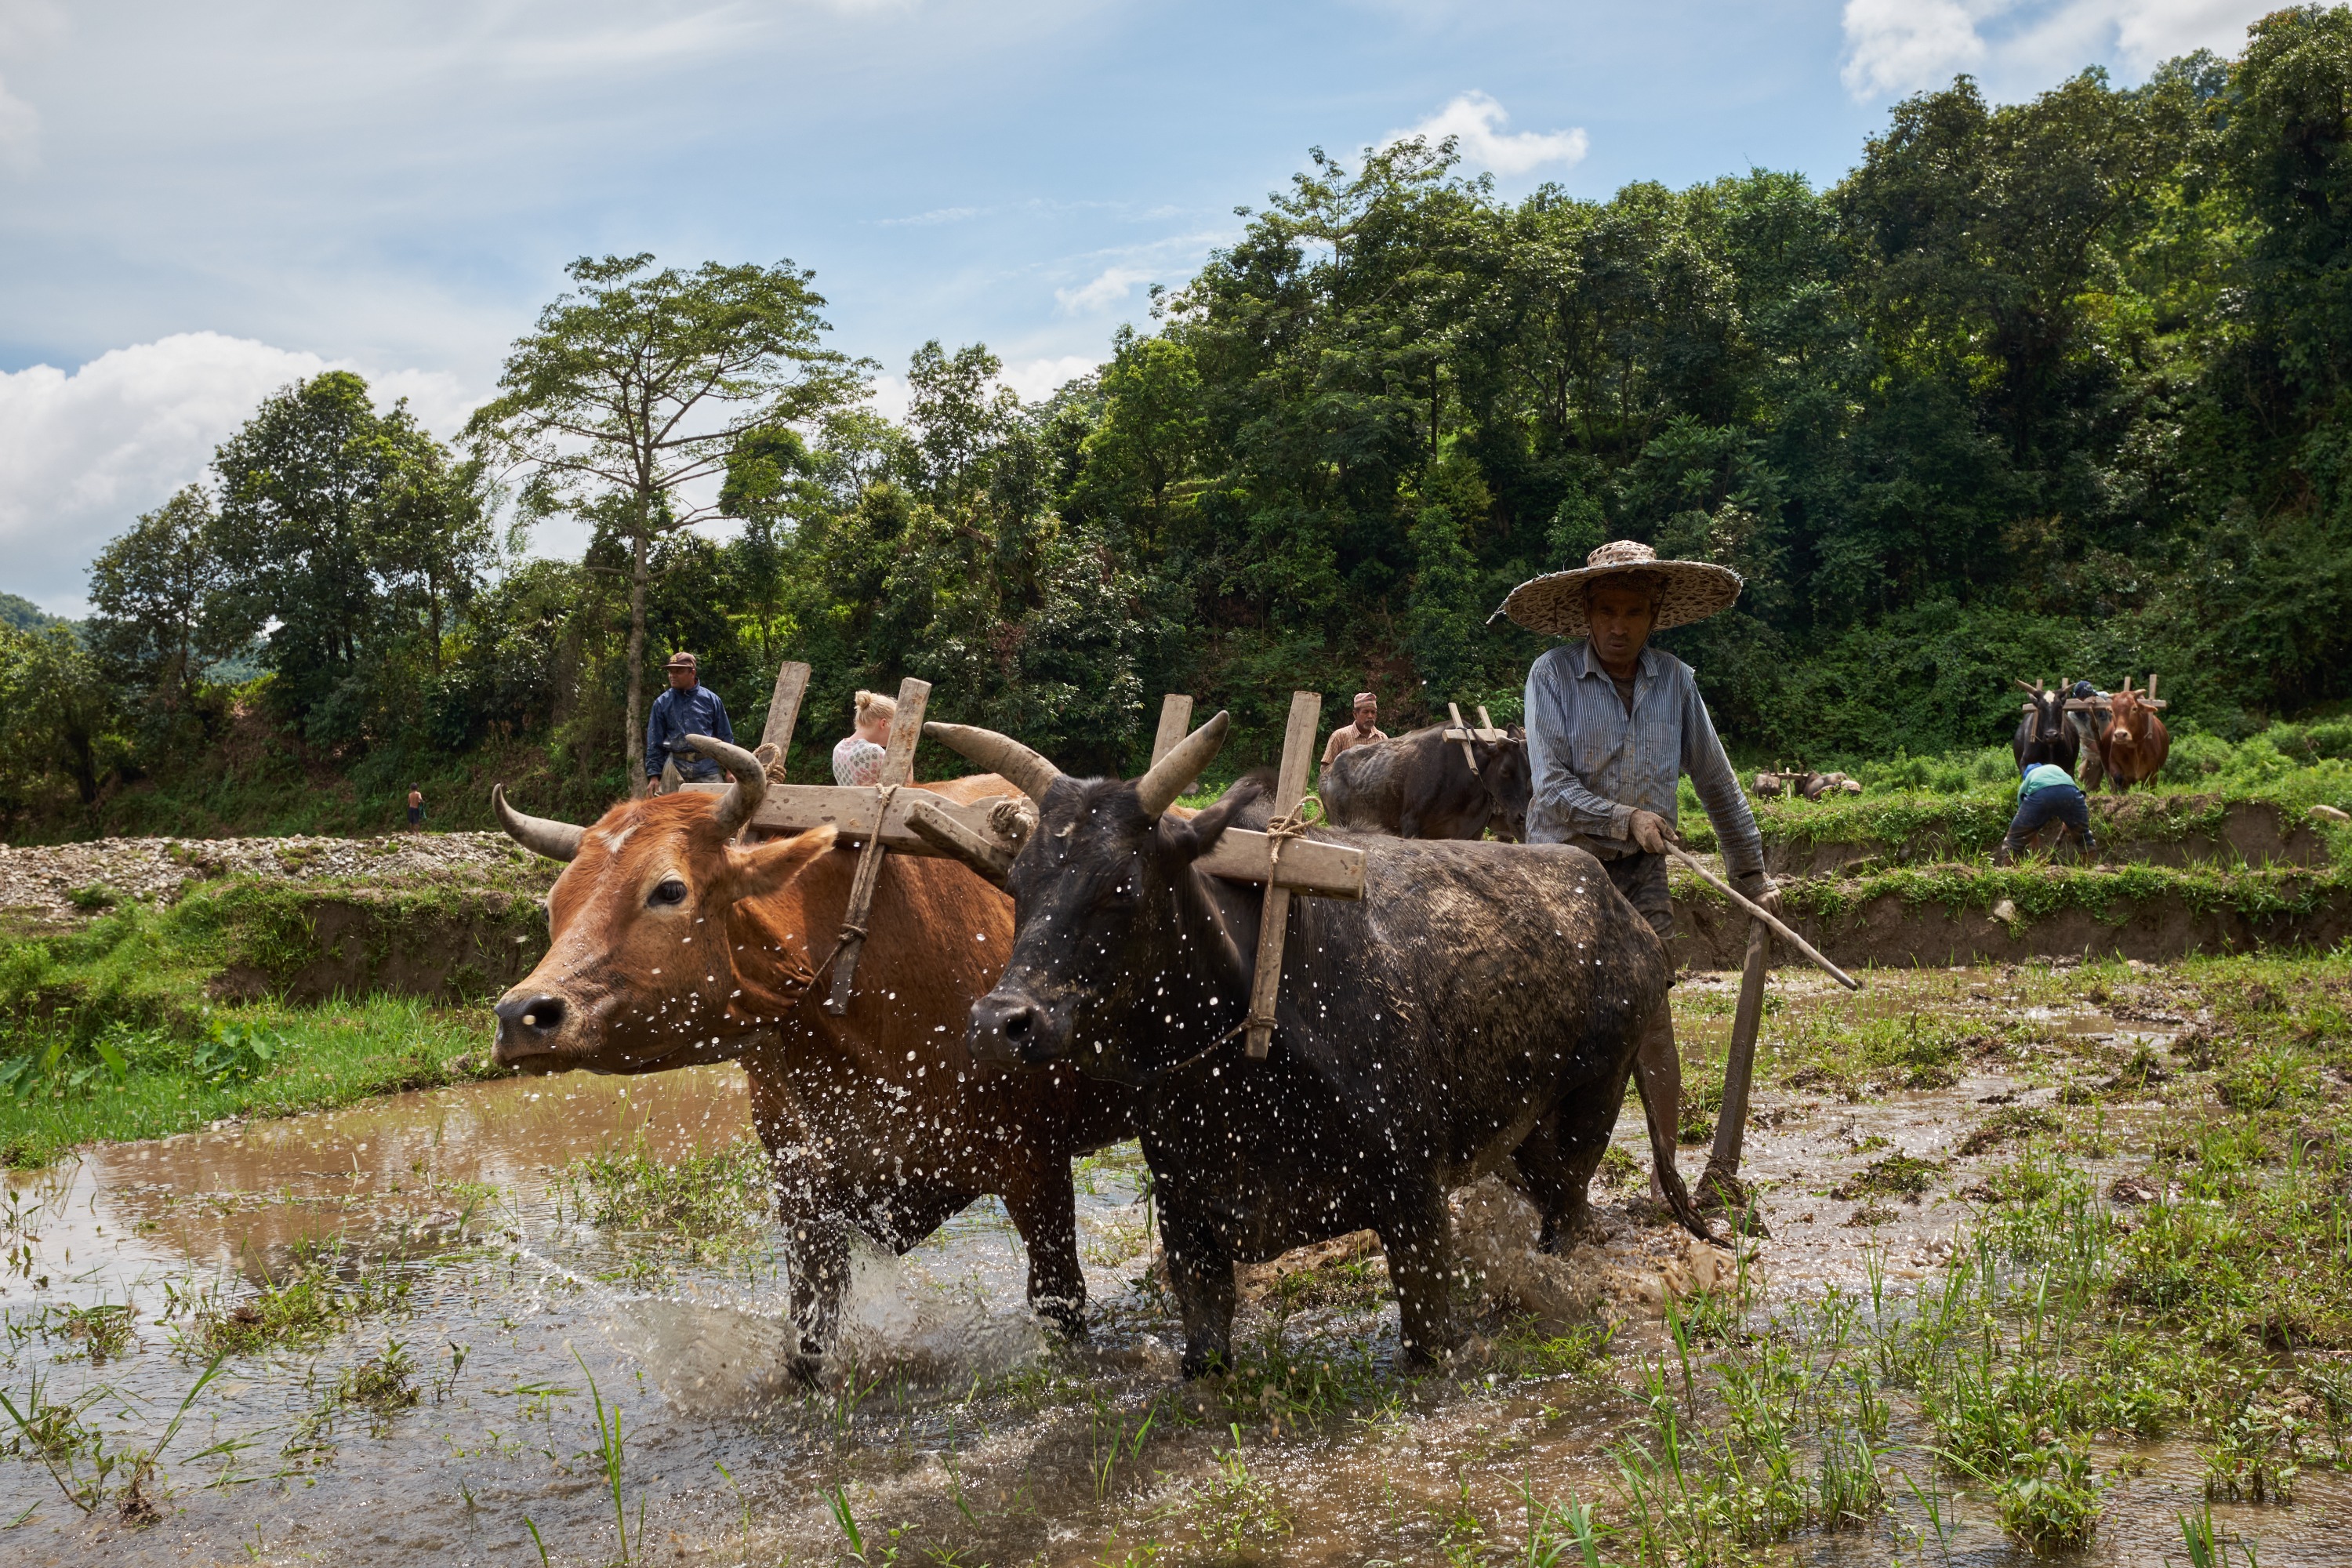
(926, 220)
(83, 454)
(1109, 288)
(1902, 46)
(1475, 122)
(1893, 45)
(20, 131)
(25, 26)
(1037, 378)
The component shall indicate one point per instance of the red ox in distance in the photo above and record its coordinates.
(2132, 747)
(672, 945)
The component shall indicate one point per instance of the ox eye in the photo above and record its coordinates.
(671, 890)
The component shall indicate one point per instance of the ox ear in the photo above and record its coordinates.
(1190, 837)
(766, 868)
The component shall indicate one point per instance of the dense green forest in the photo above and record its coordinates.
(2051, 388)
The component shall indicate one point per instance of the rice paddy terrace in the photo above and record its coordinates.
(2054, 1256)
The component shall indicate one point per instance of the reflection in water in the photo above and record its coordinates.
(949, 1413)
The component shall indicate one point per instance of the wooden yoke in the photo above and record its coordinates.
(1454, 712)
(1290, 788)
(897, 768)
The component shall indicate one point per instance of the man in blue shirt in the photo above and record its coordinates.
(1612, 725)
(687, 708)
(2047, 791)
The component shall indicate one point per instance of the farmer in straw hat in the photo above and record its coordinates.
(1610, 723)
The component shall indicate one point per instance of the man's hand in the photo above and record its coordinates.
(1650, 831)
(1759, 887)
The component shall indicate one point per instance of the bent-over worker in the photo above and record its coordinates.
(1611, 724)
(2047, 791)
(858, 759)
(687, 708)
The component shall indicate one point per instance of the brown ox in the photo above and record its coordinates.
(672, 945)
(2133, 746)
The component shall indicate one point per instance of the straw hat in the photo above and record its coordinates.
(1554, 603)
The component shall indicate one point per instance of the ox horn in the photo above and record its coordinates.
(556, 840)
(736, 806)
(1002, 756)
(2027, 687)
(1172, 774)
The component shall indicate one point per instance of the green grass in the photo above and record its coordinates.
(312, 1300)
(694, 1198)
(110, 1030)
(1957, 806)
(324, 1057)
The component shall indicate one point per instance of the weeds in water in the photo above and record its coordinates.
(382, 1384)
(59, 1438)
(2252, 1456)
(105, 1331)
(696, 1199)
(610, 1458)
(310, 1302)
(2208, 1547)
(1235, 1511)
(1525, 1348)
(1897, 1175)
(1554, 1533)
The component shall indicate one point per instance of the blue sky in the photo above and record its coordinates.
(200, 202)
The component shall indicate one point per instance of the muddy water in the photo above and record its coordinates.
(963, 1427)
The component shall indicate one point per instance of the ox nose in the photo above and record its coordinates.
(1008, 1029)
(528, 1022)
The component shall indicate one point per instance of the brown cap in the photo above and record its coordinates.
(680, 662)
(1364, 697)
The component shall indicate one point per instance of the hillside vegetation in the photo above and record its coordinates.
(2054, 388)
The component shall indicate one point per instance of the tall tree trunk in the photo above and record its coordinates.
(638, 659)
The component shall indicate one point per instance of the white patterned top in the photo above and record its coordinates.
(857, 761)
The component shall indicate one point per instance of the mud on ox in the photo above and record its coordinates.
(1420, 786)
(1482, 1002)
(671, 945)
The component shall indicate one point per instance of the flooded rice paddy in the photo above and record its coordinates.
(539, 1319)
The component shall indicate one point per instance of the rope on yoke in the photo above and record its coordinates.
(1293, 824)
(861, 891)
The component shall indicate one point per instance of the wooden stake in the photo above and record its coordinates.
(897, 768)
(1455, 713)
(1289, 787)
(784, 709)
(1483, 722)
(1175, 723)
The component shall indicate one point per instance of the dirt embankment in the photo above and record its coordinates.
(63, 884)
(2150, 829)
(451, 945)
(450, 916)
(1890, 929)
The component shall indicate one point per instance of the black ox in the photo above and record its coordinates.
(1420, 786)
(2043, 732)
(1482, 1003)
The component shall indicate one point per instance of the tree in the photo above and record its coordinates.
(148, 590)
(296, 483)
(56, 712)
(643, 386)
